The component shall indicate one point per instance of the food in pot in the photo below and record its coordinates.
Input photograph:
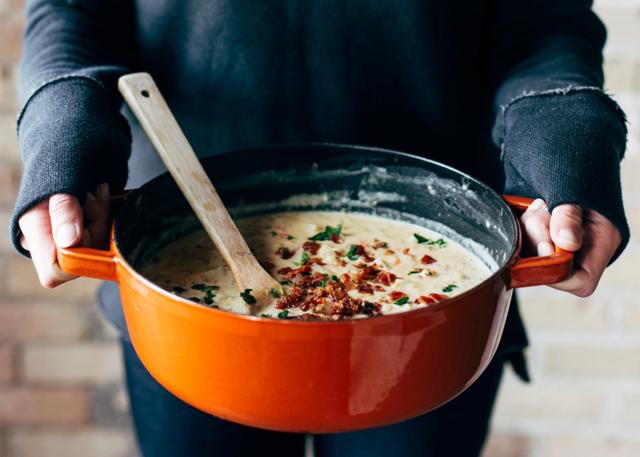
(331, 265)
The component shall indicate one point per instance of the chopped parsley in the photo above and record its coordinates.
(304, 258)
(265, 315)
(351, 253)
(207, 289)
(401, 301)
(275, 293)
(335, 278)
(323, 282)
(327, 233)
(283, 314)
(178, 290)
(415, 272)
(273, 233)
(208, 300)
(422, 240)
(449, 288)
(289, 237)
(247, 297)
(194, 299)
(285, 282)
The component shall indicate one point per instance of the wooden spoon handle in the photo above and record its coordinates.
(144, 98)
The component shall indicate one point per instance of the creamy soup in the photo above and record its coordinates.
(332, 265)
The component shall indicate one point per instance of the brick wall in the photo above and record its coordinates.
(60, 389)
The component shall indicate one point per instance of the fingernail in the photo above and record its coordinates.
(545, 248)
(568, 236)
(66, 234)
(537, 204)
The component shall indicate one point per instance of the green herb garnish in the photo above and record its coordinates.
(323, 282)
(304, 258)
(207, 289)
(351, 253)
(335, 278)
(194, 299)
(275, 293)
(273, 233)
(247, 297)
(289, 237)
(327, 233)
(283, 314)
(208, 299)
(285, 282)
(178, 290)
(401, 301)
(449, 288)
(414, 272)
(265, 315)
(422, 240)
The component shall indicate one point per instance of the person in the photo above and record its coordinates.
(506, 90)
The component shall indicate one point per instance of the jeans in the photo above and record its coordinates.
(167, 427)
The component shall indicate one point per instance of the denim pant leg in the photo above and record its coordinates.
(457, 429)
(167, 427)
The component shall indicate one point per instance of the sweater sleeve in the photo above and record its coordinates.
(70, 132)
(561, 136)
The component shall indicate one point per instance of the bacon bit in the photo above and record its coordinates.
(292, 298)
(389, 252)
(285, 253)
(427, 259)
(365, 288)
(431, 298)
(315, 261)
(338, 256)
(377, 244)
(378, 288)
(386, 278)
(345, 278)
(371, 309)
(311, 247)
(396, 295)
(405, 251)
(335, 238)
(367, 273)
(289, 273)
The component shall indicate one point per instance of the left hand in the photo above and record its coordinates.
(591, 235)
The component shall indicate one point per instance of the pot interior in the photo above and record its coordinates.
(326, 177)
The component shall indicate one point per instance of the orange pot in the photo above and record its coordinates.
(318, 376)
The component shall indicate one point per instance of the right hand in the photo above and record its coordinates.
(61, 221)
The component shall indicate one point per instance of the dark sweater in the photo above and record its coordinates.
(508, 91)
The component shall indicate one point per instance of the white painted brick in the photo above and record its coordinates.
(80, 442)
(72, 363)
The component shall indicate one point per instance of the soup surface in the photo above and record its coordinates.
(332, 265)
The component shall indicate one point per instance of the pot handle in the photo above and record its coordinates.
(536, 271)
(90, 262)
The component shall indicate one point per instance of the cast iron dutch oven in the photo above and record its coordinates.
(319, 376)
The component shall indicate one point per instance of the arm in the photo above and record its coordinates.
(561, 137)
(71, 134)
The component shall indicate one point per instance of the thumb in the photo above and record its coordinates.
(566, 227)
(66, 219)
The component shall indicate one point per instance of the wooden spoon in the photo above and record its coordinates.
(146, 102)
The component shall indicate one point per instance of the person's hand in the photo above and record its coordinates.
(61, 221)
(591, 235)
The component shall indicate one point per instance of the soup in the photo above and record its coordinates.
(331, 265)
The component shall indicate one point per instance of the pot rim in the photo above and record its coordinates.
(432, 308)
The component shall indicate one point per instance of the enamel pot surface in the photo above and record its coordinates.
(310, 376)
